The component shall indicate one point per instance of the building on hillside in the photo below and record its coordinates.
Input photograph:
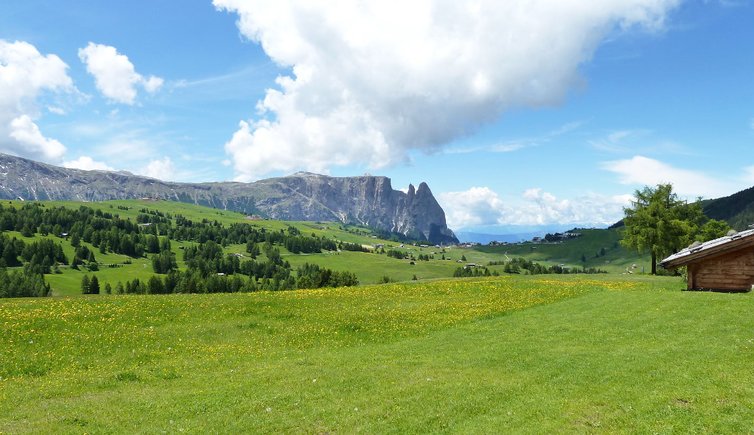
(725, 264)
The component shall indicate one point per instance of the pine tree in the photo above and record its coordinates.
(94, 285)
(660, 222)
(10, 255)
(85, 285)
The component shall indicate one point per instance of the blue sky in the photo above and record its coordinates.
(517, 114)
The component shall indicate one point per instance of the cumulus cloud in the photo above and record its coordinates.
(26, 134)
(26, 76)
(88, 164)
(161, 169)
(640, 170)
(473, 207)
(115, 75)
(481, 206)
(371, 81)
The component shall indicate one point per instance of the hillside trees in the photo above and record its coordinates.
(90, 286)
(164, 262)
(660, 222)
(314, 276)
(10, 249)
(209, 267)
(17, 284)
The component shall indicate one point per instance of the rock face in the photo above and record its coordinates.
(366, 200)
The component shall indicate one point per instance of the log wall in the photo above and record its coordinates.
(733, 271)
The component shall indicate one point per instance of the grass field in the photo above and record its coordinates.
(526, 354)
(600, 248)
(370, 268)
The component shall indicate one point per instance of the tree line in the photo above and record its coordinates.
(150, 233)
(520, 265)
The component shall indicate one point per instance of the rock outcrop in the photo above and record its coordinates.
(365, 200)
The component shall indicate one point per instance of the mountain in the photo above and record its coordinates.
(366, 200)
(736, 209)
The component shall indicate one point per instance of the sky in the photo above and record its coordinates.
(520, 115)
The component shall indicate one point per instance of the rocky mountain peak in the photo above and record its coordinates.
(411, 191)
(366, 200)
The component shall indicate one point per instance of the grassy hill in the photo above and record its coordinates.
(736, 209)
(518, 353)
(600, 248)
(369, 267)
(547, 353)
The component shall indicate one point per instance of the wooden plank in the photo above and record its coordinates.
(729, 271)
(726, 248)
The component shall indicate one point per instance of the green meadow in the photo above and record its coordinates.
(514, 353)
(613, 352)
(598, 248)
(369, 267)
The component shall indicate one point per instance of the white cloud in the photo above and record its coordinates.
(372, 80)
(56, 110)
(88, 164)
(638, 141)
(26, 134)
(25, 77)
(473, 207)
(519, 143)
(615, 141)
(508, 147)
(152, 84)
(162, 169)
(640, 170)
(481, 206)
(115, 75)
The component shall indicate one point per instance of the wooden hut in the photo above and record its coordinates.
(726, 263)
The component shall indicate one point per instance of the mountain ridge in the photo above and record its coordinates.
(365, 200)
(737, 209)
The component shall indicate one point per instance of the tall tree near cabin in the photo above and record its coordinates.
(659, 222)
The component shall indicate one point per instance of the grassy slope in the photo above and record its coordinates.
(616, 259)
(369, 268)
(531, 354)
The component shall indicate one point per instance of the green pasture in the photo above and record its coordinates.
(369, 267)
(535, 354)
(590, 245)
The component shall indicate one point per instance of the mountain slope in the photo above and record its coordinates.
(736, 209)
(598, 248)
(366, 200)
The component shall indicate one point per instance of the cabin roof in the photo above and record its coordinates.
(714, 247)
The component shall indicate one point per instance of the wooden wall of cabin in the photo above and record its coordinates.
(734, 271)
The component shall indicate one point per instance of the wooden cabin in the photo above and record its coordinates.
(724, 264)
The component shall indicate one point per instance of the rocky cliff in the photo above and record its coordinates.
(366, 200)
